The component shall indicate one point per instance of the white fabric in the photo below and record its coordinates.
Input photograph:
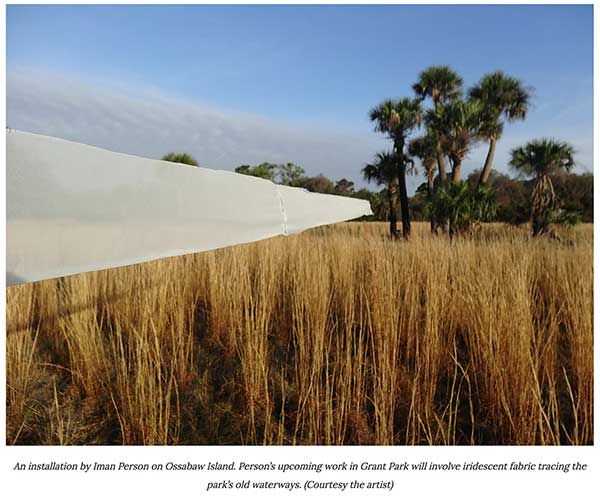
(74, 208)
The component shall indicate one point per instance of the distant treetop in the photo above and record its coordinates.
(285, 174)
(181, 158)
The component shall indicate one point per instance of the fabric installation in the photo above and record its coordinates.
(74, 208)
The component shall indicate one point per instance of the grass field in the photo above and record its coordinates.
(333, 336)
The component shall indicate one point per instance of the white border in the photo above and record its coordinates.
(554, 486)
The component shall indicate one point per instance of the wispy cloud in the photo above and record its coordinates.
(150, 124)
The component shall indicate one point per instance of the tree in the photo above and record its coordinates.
(425, 148)
(290, 173)
(380, 204)
(344, 187)
(577, 193)
(265, 170)
(397, 119)
(443, 85)
(501, 96)
(458, 124)
(512, 196)
(285, 174)
(181, 158)
(384, 172)
(541, 159)
(317, 184)
(462, 206)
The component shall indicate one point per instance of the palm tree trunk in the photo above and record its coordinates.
(393, 216)
(401, 167)
(442, 223)
(430, 188)
(403, 200)
(430, 176)
(543, 201)
(441, 168)
(487, 167)
(440, 158)
(457, 164)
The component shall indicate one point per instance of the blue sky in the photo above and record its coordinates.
(242, 84)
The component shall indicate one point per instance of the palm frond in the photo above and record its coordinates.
(457, 126)
(502, 95)
(543, 157)
(441, 83)
(382, 170)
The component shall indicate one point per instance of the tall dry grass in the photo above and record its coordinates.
(334, 336)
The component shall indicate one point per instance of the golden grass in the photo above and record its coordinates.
(334, 336)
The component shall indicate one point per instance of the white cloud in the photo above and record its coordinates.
(150, 124)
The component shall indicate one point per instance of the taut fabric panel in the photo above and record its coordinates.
(74, 208)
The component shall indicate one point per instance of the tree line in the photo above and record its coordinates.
(512, 195)
(442, 136)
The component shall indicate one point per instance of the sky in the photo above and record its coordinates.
(236, 85)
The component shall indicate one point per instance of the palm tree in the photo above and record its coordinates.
(541, 158)
(425, 148)
(501, 96)
(383, 172)
(181, 158)
(443, 85)
(380, 204)
(397, 118)
(458, 125)
(440, 83)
